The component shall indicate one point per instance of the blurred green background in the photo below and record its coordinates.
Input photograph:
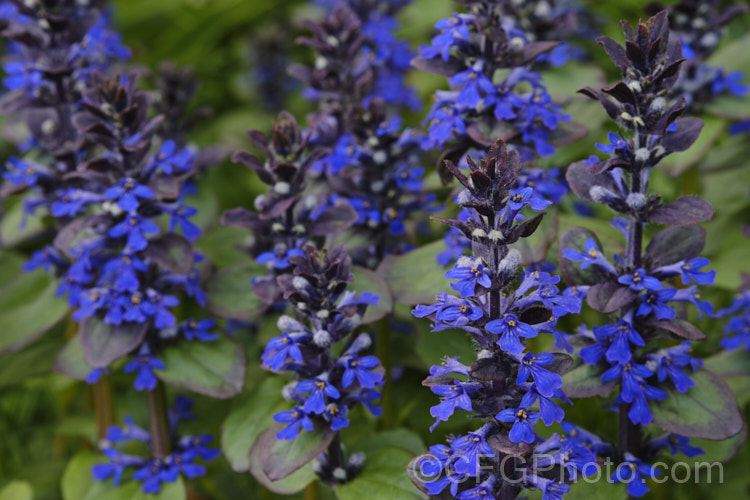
(46, 418)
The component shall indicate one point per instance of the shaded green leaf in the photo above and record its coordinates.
(230, 292)
(280, 458)
(383, 477)
(708, 410)
(70, 360)
(415, 277)
(17, 490)
(102, 343)
(214, 368)
(584, 381)
(366, 280)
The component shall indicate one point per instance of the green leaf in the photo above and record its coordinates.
(597, 490)
(564, 82)
(383, 477)
(35, 359)
(366, 280)
(247, 419)
(732, 107)
(102, 343)
(415, 277)
(280, 458)
(293, 483)
(733, 56)
(708, 410)
(216, 368)
(432, 347)
(70, 360)
(11, 232)
(230, 292)
(17, 490)
(584, 381)
(397, 438)
(77, 484)
(221, 246)
(720, 451)
(28, 304)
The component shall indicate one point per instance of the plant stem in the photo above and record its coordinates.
(311, 491)
(104, 407)
(383, 351)
(158, 422)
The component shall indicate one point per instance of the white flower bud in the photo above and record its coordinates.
(658, 105)
(357, 460)
(339, 473)
(465, 261)
(112, 208)
(635, 86)
(511, 262)
(277, 227)
(642, 154)
(322, 338)
(496, 235)
(600, 194)
(48, 126)
(259, 200)
(282, 188)
(636, 201)
(485, 354)
(323, 313)
(377, 186)
(479, 233)
(380, 157)
(710, 39)
(289, 324)
(288, 391)
(463, 197)
(317, 466)
(300, 283)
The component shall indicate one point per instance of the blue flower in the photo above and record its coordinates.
(670, 365)
(135, 228)
(690, 270)
(449, 311)
(72, 201)
(199, 330)
(170, 160)
(632, 472)
(519, 198)
(468, 448)
(472, 79)
(180, 217)
(335, 415)
(318, 388)
(676, 443)
(617, 143)
(145, 364)
(157, 306)
(510, 328)
(96, 374)
(294, 418)
(592, 255)
(152, 475)
(22, 75)
(279, 257)
(124, 270)
(451, 397)
(117, 464)
(640, 281)
(361, 369)
(654, 302)
(469, 274)
(546, 382)
(127, 193)
(549, 412)
(523, 424)
(481, 492)
(623, 335)
(279, 349)
(452, 31)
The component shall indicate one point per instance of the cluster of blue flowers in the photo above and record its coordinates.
(495, 38)
(738, 326)
(700, 26)
(638, 285)
(326, 385)
(386, 54)
(153, 472)
(99, 166)
(506, 382)
(372, 163)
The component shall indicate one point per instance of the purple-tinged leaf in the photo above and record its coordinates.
(502, 443)
(679, 327)
(334, 220)
(708, 410)
(610, 296)
(561, 364)
(102, 343)
(418, 477)
(535, 314)
(675, 244)
(215, 369)
(688, 130)
(584, 381)
(602, 166)
(242, 217)
(172, 252)
(437, 66)
(78, 231)
(612, 109)
(532, 50)
(686, 210)
(280, 458)
(70, 360)
(614, 51)
(293, 483)
(489, 370)
(166, 188)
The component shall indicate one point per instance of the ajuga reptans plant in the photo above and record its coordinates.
(643, 355)
(500, 306)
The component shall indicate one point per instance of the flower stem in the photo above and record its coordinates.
(383, 351)
(311, 491)
(104, 407)
(161, 445)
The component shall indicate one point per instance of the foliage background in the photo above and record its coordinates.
(46, 418)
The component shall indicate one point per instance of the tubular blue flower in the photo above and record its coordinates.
(632, 472)
(510, 328)
(361, 370)
(622, 335)
(468, 448)
(451, 397)
(117, 464)
(519, 198)
(158, 306)
(654, 302)
(335, 415)
(469, 274)
(199, 330)
(546, 382)
(279, 349)
(279, 257)
(549, 412)
(72, 201)
(319, 388)
(676, 444)
(616, 143)
(180, 217)
(127, 193)
(640, 281)
(523, 424)
(294, 418)
(135, 228)
(472, 81)
(144, 364)
(592, 255)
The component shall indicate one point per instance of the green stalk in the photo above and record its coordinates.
(158, 422)
(311, 491)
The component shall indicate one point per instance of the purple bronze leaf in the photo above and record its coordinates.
(610, 296)
(172, 252)
(686, 210)
(102, 343)
(674, 244)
